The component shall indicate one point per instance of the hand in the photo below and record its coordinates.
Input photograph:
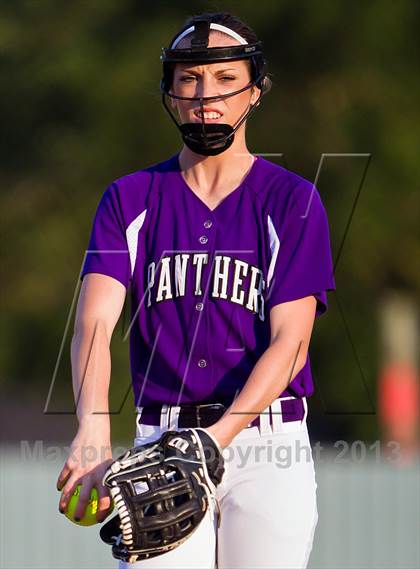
(220, 433)
(215, 461)
(90, 456)
(159, 467)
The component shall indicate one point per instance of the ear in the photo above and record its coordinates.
(255, 93)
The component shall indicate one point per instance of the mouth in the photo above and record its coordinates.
(208, 115)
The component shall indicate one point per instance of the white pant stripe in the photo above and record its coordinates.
(173, 417)
(305, 407)
(164, 417)
(265, 427)
(276, 416)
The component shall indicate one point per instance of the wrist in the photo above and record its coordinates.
(220, 433)
(95, 423)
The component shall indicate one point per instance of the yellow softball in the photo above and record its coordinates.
(89, 518)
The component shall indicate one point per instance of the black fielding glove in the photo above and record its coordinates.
(162, 491)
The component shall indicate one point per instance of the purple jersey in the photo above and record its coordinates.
(203, 281)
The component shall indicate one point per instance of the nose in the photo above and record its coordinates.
(206, 86)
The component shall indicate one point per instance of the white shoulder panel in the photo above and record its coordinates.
(274, 248)
(132, 233)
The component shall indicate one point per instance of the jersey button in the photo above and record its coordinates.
(202, 362)
(199, 306)
(208, 223)
(203, 239)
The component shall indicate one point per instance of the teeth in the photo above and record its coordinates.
(211, 115)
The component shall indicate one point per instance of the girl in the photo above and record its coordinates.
(228, 260)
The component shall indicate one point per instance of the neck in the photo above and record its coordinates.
(207, 172)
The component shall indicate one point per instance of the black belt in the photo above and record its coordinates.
(205, 415)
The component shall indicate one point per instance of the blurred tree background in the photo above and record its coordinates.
(80, 106)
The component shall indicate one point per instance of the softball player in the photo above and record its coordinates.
(228, 261)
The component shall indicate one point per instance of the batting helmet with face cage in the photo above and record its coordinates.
(204, 138)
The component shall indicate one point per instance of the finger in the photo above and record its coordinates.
(63, 476)
(104, 504)
(67, 492)
(83, 500)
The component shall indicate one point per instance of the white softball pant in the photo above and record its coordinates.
(268, 505)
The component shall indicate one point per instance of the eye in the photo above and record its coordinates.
(187, 78)
(227, 78)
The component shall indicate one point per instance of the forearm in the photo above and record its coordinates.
(273, 372)
(91, 371)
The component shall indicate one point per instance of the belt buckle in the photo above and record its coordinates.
(200, 405)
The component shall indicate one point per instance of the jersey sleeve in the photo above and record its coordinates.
(107, 249)
(301, 260)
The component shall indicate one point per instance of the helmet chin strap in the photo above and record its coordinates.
(210, 139)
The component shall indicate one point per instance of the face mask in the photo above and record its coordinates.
(210, 139)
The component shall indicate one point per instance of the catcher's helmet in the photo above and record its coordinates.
(210, 139)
